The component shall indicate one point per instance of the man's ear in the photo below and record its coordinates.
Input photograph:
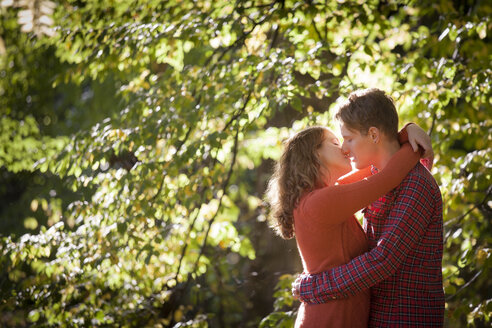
(375, 134)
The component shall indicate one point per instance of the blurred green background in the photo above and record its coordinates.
(137, 138)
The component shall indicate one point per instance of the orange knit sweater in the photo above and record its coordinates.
(329, 235)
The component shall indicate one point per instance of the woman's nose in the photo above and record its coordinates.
(345, 150)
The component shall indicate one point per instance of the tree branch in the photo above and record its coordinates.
(460, 217)
(464, 286)
(239, 41)
(224, 187)
(317, 31)
(183, 251)
(212, 220)
(181, 143)
(431, 129)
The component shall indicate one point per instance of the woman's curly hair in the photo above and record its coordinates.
(296, 172)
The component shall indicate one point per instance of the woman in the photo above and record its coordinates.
(306, 179)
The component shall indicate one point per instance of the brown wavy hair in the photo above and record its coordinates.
(298, 171)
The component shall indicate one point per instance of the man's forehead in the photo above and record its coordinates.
(346, 131)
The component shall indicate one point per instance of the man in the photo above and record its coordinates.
(404, 229)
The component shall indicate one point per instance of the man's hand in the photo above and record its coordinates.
(296, 286)
(418, 137)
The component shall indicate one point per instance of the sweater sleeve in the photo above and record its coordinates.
(355, 176)
(404, 227)
(403, 134)
(341, 201)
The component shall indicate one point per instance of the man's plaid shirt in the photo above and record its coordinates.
(403, 267)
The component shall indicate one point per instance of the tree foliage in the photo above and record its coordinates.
(137, 136)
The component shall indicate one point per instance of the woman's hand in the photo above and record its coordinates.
(296, 286)
(418, 137)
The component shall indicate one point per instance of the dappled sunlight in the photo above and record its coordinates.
(137, 140)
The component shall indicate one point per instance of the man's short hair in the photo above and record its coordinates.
(369, 107)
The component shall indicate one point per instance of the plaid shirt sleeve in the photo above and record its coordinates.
(405, 225)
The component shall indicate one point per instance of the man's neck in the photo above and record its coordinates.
(387, 150)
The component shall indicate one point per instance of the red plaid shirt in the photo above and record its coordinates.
(403, 268)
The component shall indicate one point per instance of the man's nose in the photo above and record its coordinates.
(345, 150)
